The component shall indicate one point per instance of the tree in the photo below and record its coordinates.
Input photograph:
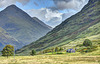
(87, 42)
(60, 49)
(52, 50)
(33, 52)
(8, 50)
(56, 49)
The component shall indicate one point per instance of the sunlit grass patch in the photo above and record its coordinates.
(51, 59)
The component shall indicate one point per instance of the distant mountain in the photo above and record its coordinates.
(42, 23)
(5, 39)
(75, 27)
(20, 26)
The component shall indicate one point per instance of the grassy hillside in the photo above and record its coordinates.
(91, 31)
(71, 29)
(95, 41)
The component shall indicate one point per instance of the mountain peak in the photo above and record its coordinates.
(12, 9)
(12, 6)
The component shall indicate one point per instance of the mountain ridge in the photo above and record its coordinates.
(35, 18)
(21, 26)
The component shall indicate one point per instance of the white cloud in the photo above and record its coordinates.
(69, 4)
(46, 15)
(5, 3)
(52, 14)
(52, 18)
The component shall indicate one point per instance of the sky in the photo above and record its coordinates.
(51, 12)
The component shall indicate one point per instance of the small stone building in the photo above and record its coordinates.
(71, 51)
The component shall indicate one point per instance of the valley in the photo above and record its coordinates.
(85, 23)
(28, 40)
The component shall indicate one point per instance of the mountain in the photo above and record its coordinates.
(20, 26)
(5, 39)
(42, 23)
(75, 27)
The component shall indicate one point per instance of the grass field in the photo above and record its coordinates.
(51, 59)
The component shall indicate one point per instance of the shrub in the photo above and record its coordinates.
(59, 53)
(87, 49)
(87, 42)
(33, 52)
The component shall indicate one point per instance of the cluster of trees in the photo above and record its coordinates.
(52, 50)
